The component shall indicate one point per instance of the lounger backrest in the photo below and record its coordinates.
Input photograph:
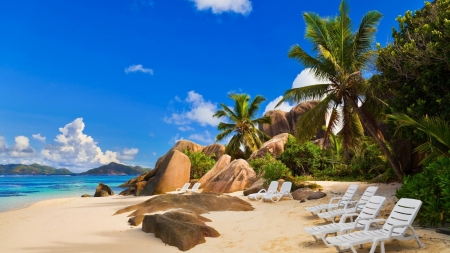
(350, 192)
(404, 212)
(371, 209)
(286, 187)
(195, 187)
(368, 193)
(185, 186)
(273, 186)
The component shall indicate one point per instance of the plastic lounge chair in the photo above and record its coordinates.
(285, 191)
(194, 188)
(181, 190)
(271, 189)
(370, 211)
(332, 214)
(343, 201)
(395, 227)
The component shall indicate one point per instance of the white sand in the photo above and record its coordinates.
(87, 225)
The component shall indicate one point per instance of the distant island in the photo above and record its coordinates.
(37, 169)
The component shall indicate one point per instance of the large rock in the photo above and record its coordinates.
(304, 194)
(279, 124)
(172, 172)
(255, 187)
(274, 146)
(236, 176)
(181, 229)
(284, 122)
(215, 150)
(103, 191)
(220, 164)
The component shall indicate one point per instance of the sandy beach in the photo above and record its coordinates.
(87, 225)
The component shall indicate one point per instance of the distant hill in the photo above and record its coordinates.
(116, 169)
(33, 169)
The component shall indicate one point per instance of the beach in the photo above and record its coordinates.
(87, 225)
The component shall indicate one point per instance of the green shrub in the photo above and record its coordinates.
(200, 163)
(258, 164)
(300, 159)
(432, 187)
(275, 170)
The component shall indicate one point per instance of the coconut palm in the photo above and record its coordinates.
(437, 131)
(242, 125)
(340, 57)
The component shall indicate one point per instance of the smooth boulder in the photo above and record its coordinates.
(103, 191)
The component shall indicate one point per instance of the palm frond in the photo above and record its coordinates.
(224, 134)
(366, 33)
(311, 92)
(254, 105)
(316, 30)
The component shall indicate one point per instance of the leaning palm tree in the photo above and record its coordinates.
(242, 125)
(340, 57)
(437, 131)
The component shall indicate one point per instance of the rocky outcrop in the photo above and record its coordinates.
(255, 187)
(284, 122)
(181, 229)
(220, 164)
(235, 176)
(103, 191)
(304, 194)
(197, 203)
(173, 172)
(215, 150)
(274, 146)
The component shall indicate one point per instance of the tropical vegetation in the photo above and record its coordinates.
(200, 163)
(340, 57)
(242, 125)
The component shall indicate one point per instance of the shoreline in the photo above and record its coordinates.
(87, 225)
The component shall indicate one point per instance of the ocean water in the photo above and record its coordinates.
(18, 191)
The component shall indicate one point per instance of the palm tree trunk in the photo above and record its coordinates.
(379, 140)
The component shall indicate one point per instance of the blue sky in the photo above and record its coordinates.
(84, 83)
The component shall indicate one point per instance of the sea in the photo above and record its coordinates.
(19, 191)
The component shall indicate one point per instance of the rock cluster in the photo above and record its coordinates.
(103, 191)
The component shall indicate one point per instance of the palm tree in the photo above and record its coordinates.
(242, 124)
(437, 131)
(341, 55)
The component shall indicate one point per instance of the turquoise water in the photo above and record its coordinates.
(20, 191)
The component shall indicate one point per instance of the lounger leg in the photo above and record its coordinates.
(382, 247)
(374, 246)
(421, 245)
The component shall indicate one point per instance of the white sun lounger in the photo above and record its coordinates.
(285, 191)
(194, 188)
(395, 227)
(181, 190)
(370, 211)
(271, 189)
(332, 214)
(343, 201)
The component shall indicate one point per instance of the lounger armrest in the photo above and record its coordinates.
(373, 221)
(334, 198)
(399, 226)
(344, 217)
(262, 191)
(178, 189)
(347, 203)
(363, 204)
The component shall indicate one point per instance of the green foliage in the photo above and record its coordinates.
(275, 170)
(242, 125)
(414, 69)
(200, 163)
(258, 164)
(432, 187)
(300, 159)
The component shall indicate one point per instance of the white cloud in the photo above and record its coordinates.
(200, 111)
(154, 153)
(175, 139)
(285, 106)
(219, 6)
(20, 149)
(205, 137)
(185, 128)
(138, 68)
(39, 137)
(128, 154)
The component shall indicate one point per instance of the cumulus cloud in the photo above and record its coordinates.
(175, 139)
(128, 154)
(138, 68)
(305, 78)
(199, 111)
(185, 128)
(39, 137)
(219, 6)
(205, 137)
(20, 149)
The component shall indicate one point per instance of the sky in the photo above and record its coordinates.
(84, 83)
